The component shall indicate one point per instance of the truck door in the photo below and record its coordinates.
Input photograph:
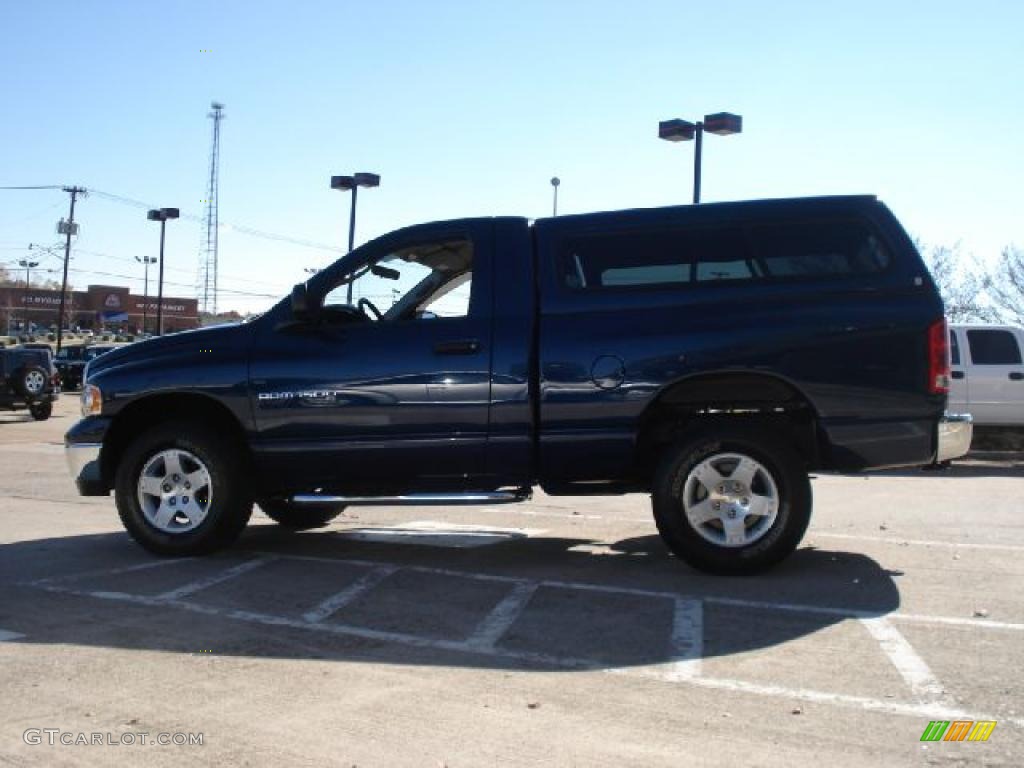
(996, 376)
(385, 386)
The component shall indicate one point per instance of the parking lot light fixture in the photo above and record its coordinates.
(353, 182)
(161, 215)
(719, 123)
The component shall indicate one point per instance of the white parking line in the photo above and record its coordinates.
(912, 668)
(494, 626)
(886, 706)
(898, 541)
(215, 578)
(6, 635)
(957, 621)
(115, 571)
(837, 611)
(687, 640)
(339, 600)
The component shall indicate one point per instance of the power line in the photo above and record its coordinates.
(252, 232)
(38, 186)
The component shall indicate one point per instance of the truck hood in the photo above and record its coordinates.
(235, 335)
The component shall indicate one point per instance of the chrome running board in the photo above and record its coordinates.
(418, 499)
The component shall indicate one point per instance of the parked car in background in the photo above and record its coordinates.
(28, 380)
(988, 373)
(71, 362)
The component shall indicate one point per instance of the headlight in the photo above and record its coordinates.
(92, 400)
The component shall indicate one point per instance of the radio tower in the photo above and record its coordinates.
(207, 287)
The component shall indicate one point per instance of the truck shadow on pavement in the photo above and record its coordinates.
(549, 603)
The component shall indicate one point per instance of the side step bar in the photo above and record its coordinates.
(419, 499)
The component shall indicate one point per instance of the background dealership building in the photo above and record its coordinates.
(97, 307)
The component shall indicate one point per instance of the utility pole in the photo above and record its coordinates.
(68, 228)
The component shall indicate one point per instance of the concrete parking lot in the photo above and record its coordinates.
(558, 632)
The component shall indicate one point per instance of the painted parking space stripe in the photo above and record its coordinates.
(896, 540)
(837, 611)
(887, 706)
(6, 635)
(101, 572)
(500, 620)
(339, 600)
(687, 640)
(216, 578)
(912, 668)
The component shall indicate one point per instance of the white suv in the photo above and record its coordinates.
(987, 373)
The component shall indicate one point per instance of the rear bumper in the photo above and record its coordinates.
(954, 439)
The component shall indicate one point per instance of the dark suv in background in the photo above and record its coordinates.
(29, 380)
(71, 362)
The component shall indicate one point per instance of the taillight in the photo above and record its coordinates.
(938, 358)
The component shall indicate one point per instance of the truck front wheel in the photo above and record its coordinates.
(299, 518)
(180, 490)
(731, 499)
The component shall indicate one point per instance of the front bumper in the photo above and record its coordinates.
(955, 433)
(84, 464)
(83, 445)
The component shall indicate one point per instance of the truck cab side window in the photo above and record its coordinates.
(954, 348)
(421, 282)
(993, 347)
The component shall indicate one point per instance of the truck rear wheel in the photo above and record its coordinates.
(299, 518)
(180, 490)
(731, 499)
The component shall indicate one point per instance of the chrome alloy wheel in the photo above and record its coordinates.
(730, 499)
(35, 382)
(174, 491)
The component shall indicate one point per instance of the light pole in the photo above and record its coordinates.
(555, 181)
(353, 183)
(29, 266)
(161, 215)
(720, 123)
(146, 260)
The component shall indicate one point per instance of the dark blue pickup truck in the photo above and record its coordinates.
(708, 355)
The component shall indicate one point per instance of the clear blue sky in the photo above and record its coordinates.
(468, 108)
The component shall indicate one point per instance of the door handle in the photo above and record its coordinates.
(957, 374)
(1016, 376)
(457, 347)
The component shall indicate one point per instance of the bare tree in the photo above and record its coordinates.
(960, 281)
(1005, 286)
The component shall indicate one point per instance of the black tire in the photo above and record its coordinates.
(298, 518)
(31, 380)
(780, 463)
(230, 502)
(41, 411)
